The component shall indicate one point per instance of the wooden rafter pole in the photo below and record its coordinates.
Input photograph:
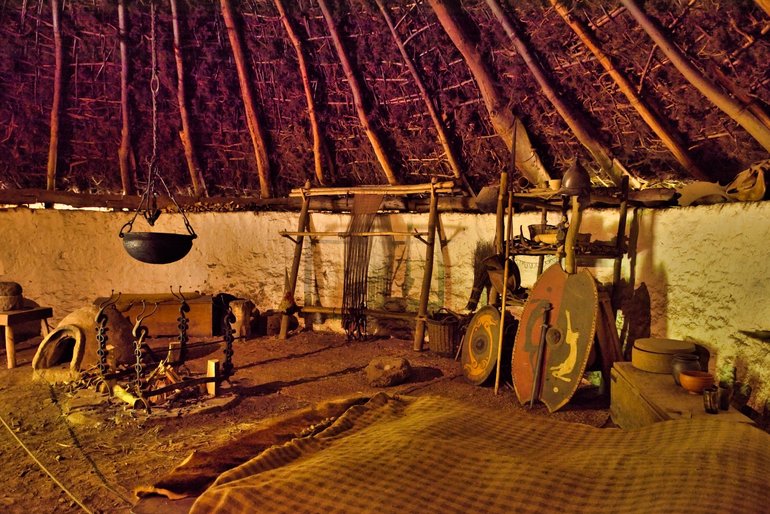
(582, 130)
(655, 122)
(358, 101)
(53, 145)
(252, 120)
(502, 119)
(734, 109)
(451, 156)
(185, 135)
(315, 128)
(124, 151)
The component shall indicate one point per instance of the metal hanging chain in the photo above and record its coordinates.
(149, 197)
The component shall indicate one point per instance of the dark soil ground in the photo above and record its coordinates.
(99, 449)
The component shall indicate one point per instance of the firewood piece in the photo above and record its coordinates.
(196, 175)
(358, 101)
(502, 119)
(252, 120)
(212, 371)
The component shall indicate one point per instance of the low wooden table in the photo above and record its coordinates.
(640, 398)
(10, 318)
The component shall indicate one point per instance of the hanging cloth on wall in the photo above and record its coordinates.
(357, 253)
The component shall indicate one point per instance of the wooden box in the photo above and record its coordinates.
(165, 320)
(639, 398)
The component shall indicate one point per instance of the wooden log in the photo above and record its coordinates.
(734, 109)
(288, 295)
(375, 313)
(53, 144)
(655, 122)
(358, 101)
(252, 120)
(502, 119)
(582, 130)
(427, 276)
(319, 144)
(124, 151)
(373, 190)
(451, 156)
(212, 371)
(196, 174)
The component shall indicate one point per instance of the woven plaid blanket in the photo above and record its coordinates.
(433, 454)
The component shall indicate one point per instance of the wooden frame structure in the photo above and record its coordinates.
(434, 189)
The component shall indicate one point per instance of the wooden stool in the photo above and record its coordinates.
(10, 318)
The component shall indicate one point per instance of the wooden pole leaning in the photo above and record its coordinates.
(302, 226)
(422, 311)
(504, 292)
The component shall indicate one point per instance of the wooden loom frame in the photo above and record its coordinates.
(429, 238)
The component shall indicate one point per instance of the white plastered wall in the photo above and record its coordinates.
(698, 273)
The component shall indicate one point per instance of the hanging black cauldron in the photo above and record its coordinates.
(156, 247)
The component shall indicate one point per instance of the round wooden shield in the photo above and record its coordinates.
(560, 312)
(479, 354)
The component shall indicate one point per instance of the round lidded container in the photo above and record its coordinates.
(655, 354)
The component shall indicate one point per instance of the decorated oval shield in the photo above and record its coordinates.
(479, 353)
(555, 337)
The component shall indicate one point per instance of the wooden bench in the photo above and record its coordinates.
(9, 319)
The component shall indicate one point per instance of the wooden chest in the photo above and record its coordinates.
(640, 398)
(165, 320)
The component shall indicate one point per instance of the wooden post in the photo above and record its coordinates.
(358, 101)
(422, 311)
(541, 258)
(620, 246)
(196, 175)
(570, 261)
(500, 213)
(302, 226)
(125, 130)
(318, 141)
(53, 145)
(252, 120)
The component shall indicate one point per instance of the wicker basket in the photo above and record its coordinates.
(443, 332)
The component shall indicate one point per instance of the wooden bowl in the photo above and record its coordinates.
(695, 381)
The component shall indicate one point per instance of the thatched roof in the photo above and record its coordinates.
(727, 42)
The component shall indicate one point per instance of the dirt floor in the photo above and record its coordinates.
(100, 449)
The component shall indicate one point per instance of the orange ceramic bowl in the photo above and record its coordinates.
(696, 381)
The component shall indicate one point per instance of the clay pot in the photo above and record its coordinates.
(695, 381)
(10, 302)
(684, 361)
